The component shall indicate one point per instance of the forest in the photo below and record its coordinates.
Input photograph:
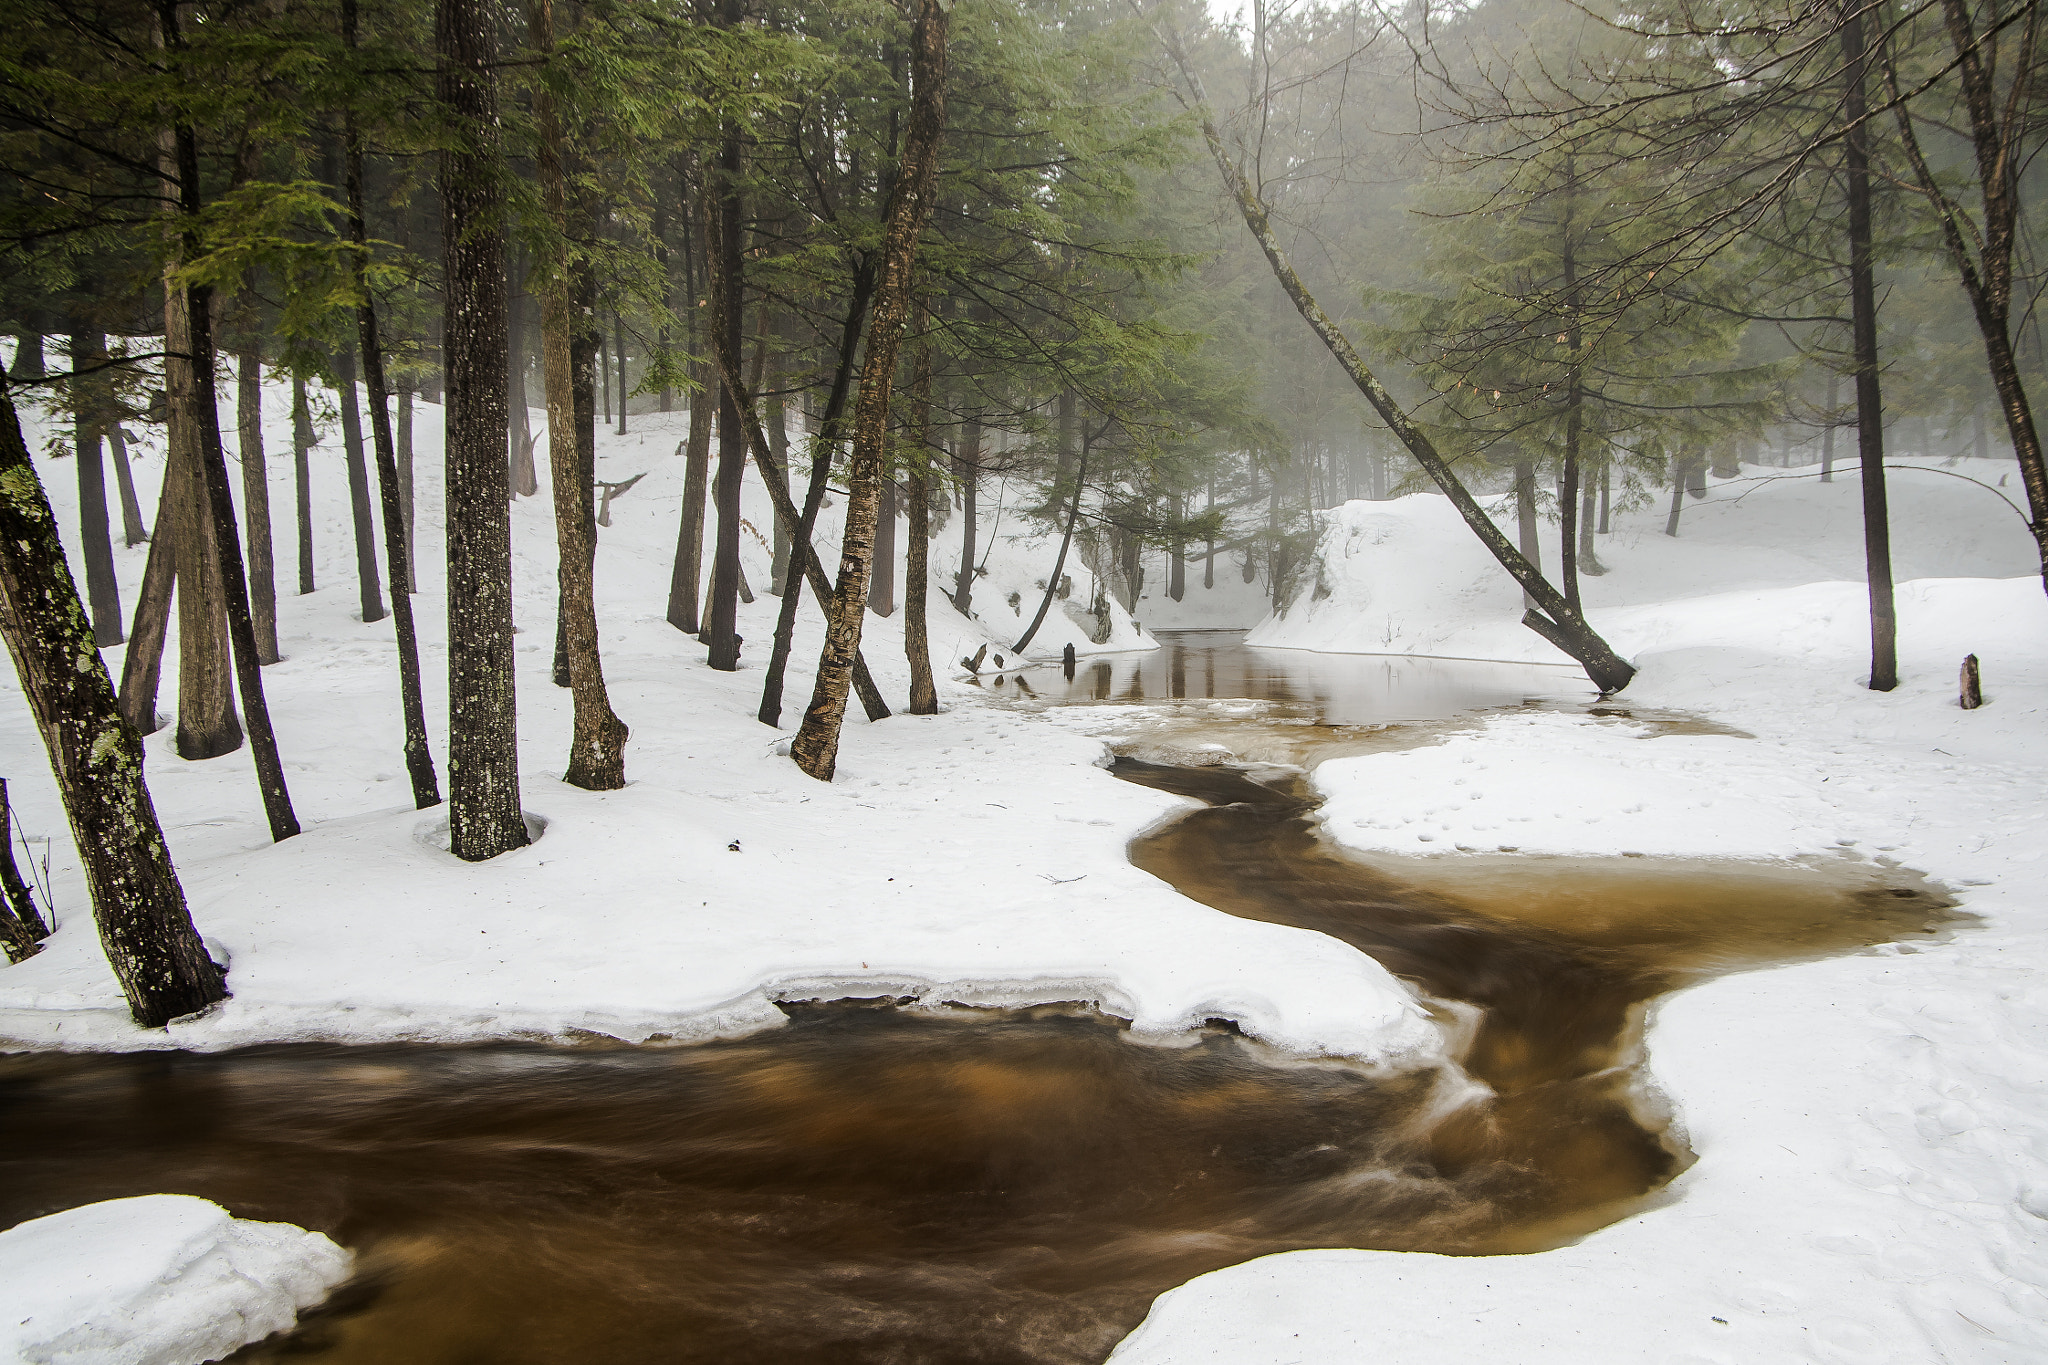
(463, 396)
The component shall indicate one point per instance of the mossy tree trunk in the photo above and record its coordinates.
(144, 925)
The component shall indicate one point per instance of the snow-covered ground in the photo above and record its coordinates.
(1872, 1181)
(975, 856)
(157, 1280)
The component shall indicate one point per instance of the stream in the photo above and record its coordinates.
(872, 1184)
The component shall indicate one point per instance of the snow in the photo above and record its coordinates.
(1872, 1185)
(973, 857)
(157, 1280)
(1406, 576)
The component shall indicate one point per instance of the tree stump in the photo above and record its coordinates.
(1973, 686)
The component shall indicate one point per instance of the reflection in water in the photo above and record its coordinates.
(874, 1185)
(1333, 689)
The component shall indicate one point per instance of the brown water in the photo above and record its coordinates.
(884, 1185)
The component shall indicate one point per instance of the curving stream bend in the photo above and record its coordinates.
(880, 1185)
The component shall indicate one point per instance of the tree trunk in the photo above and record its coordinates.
(142, 666)
(133, 531)
(882, 579)
(367, 579)
(145, 927)
(28, 355)
(302, 474)
(687, 578)
(1877, 552)
(1589, 499)
(804, 558)
(924, 696)
(419, 759)
(525, 475)
(22, 929)
(779, 579)
(910, 203)
(1606, 494)
(484, 816)
(1177, 558)
(1680, 467)
(1059, 563)
(967, 468)
(1552, 617)
(721, 628)
(597, 748)
(405, 515)
(1527, 529)
(256, 504)
(583, 395)
(92, 404)
(207, 727)
(1209, 546)
(619, 346)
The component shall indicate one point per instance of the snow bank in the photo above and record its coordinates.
(973, 856)
(1871, 1184)
(1406, 576)
(158, 1280)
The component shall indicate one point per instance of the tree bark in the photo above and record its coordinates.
(405, 514)
(302, 480)
(145, 927)
(967, 468)
(619, 346)
(419, 759)
(882, 579)
(1209, 546)
(207, 726)
(1877, 550)
(924, 696)
(367, 579)
(597, 748)
(1827, 439)
(525, 474)
(1527, 530)
(92, 404)
(721, 626)
(687, 578)
(1552, 617)
(484, 816)
(256, 504)
(142, 665)
(133, 531)
(22, 929)
(816, 746)
(779, 580)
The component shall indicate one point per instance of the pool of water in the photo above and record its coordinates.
(1335, 689)
(878, 1184)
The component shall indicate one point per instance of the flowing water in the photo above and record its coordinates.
(873, 1184)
